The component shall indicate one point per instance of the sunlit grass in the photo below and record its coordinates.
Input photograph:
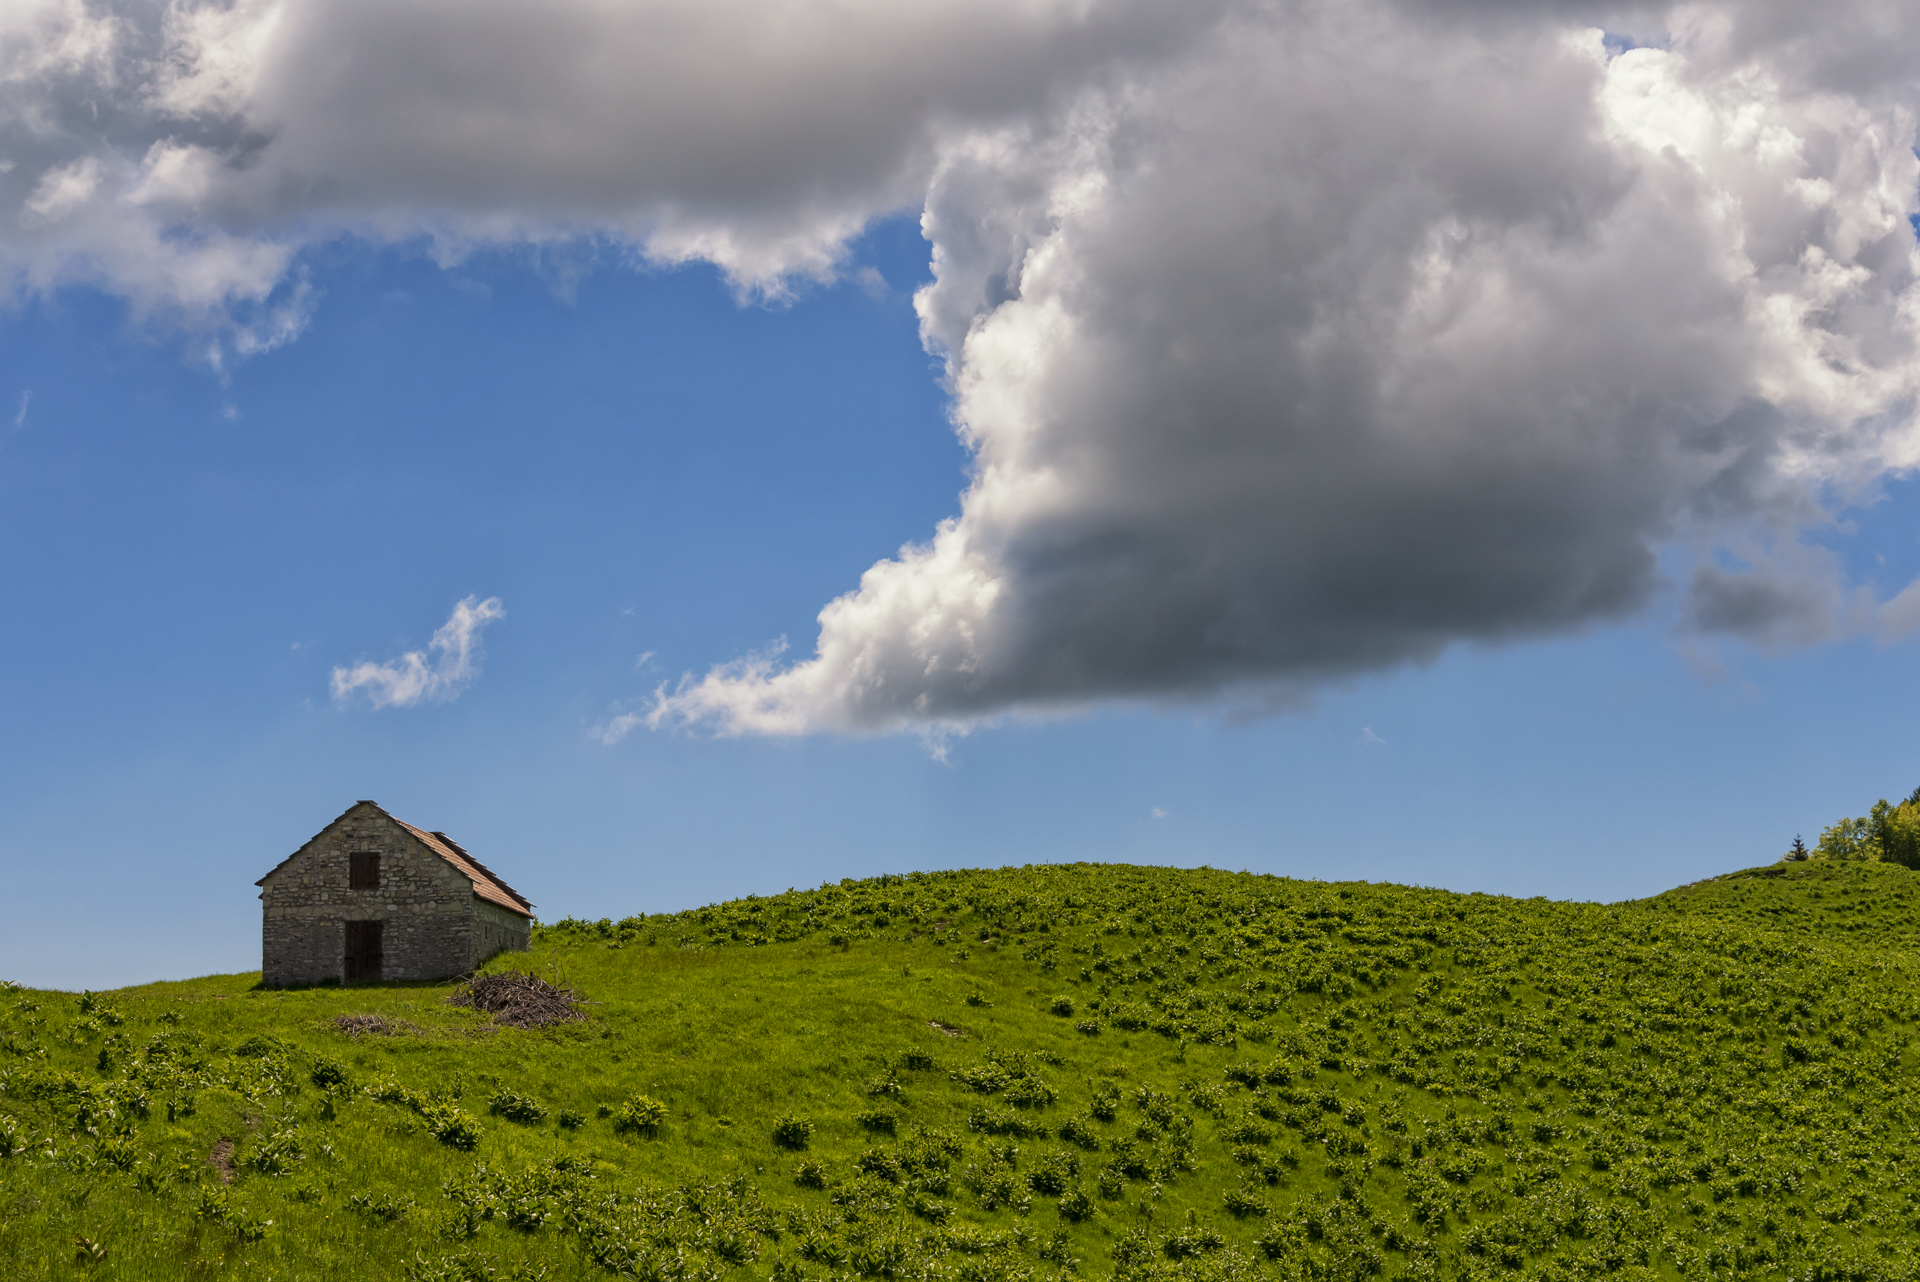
(1148, 1072)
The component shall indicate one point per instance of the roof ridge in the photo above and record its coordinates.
(487, 883)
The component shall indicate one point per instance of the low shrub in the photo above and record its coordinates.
(1054, 1174)
(641, 1114)
(880, 1164)
(929, 1209)
(385, 1207)
(274, 1154)
(1194, 1240)
(1003, 1121)
(1242, 1204)
(1078, 1130)
(515, 1107)
(1029, 1092)
(985, 1078)
(1249, 1132)
(94, 1004)
(446, 1123)
(878, 1120)
(328, 1074)
(792, 1132)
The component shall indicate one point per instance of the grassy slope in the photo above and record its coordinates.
(1858, 903)
(1312, 1081)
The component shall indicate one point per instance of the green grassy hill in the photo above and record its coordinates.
(1858, 903)
(1028, 1073)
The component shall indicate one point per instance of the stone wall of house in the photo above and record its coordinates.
(425, 902)
(495, 930)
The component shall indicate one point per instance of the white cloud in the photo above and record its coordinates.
(618, 727)
(1294, 340)
(449, 664)
(181, 155)
(61, 191)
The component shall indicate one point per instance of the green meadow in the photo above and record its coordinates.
(1076, 1070)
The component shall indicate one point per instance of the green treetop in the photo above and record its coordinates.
(1889, 833)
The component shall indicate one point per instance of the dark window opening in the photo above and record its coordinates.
(363, 871)
(363, 949)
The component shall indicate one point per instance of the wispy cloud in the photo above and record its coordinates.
(1158, 813)
(20, 415)
(448, 665)
(618, 728)
(1368, 739)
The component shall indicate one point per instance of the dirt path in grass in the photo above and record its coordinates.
(221, 1160)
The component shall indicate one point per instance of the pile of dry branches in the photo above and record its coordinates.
(519, 999)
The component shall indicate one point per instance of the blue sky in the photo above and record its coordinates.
(1473, 449)
(635, 465)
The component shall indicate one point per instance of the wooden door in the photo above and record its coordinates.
(363, 950)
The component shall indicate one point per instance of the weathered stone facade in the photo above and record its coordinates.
(440, 912)
(495, 930)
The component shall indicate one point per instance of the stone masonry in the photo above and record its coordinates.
(441, 912)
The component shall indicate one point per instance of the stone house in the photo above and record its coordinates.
(371, 897)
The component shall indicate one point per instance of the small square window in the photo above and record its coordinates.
(363, 870)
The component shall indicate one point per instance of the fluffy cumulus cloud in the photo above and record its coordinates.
(1293, 339)
(449, 664)
(1354, 333)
